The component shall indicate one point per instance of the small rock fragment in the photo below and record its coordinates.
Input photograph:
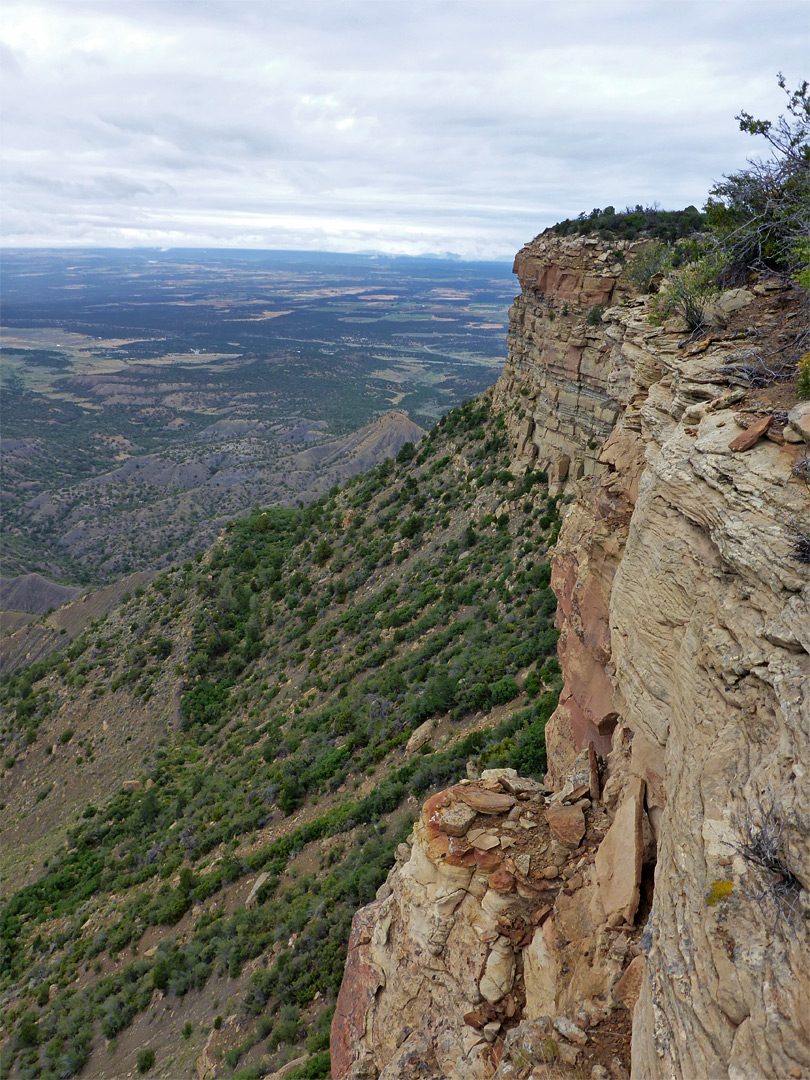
(509, 779)
(523, 864)
(568, 1054)
(485, 842)
(576, 793)
(751, 435)
(799, 420)
(484, 800)
(454, 820)
(567, 823)
(569, 1030)
(476, 1018)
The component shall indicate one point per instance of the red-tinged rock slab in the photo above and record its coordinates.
(486, 860)
(620, 855)
(501, 880)
(450, 850)
(433, 807)
(525, 938)
(628, 988)
(751, 434)
(540, 914)
(361, 980)
(567, 823)
(480, 1016)
(577, 793)
(483, 800)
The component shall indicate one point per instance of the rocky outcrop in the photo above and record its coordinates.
(455, 970)
(683, 582)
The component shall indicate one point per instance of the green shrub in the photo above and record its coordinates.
(652, 260)
(504, 690)
(318, 1066)
(758, 217)
(145, 1060)
(803, 381)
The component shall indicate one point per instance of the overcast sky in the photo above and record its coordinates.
(406, 126)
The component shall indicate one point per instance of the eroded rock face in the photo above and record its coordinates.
(469, 939)
(685, 646)
(687, 625)
(558, 365)
(710, 634)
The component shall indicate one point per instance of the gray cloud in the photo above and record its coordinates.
(453, 125)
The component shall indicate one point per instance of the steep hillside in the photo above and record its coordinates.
(157, 507)
(34, 593)
(199, 792)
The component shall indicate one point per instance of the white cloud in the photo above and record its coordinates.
(365, 124)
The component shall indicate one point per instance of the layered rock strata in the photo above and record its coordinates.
(554, 390)
(685, 619)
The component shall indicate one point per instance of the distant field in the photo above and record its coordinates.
(110, 357)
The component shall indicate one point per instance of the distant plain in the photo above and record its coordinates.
(150, 395)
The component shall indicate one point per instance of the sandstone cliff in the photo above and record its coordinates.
(685, 642)
(554, 390)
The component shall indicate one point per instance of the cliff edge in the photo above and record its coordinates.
(677, 796)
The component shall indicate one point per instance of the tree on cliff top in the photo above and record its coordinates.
(760, 216)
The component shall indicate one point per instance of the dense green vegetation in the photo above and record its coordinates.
(308, 644)
(633, 223)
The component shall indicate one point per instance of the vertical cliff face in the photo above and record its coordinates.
(555, 389)
(685, 620)
(684, 614)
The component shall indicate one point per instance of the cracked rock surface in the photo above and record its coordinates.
(468, 941)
